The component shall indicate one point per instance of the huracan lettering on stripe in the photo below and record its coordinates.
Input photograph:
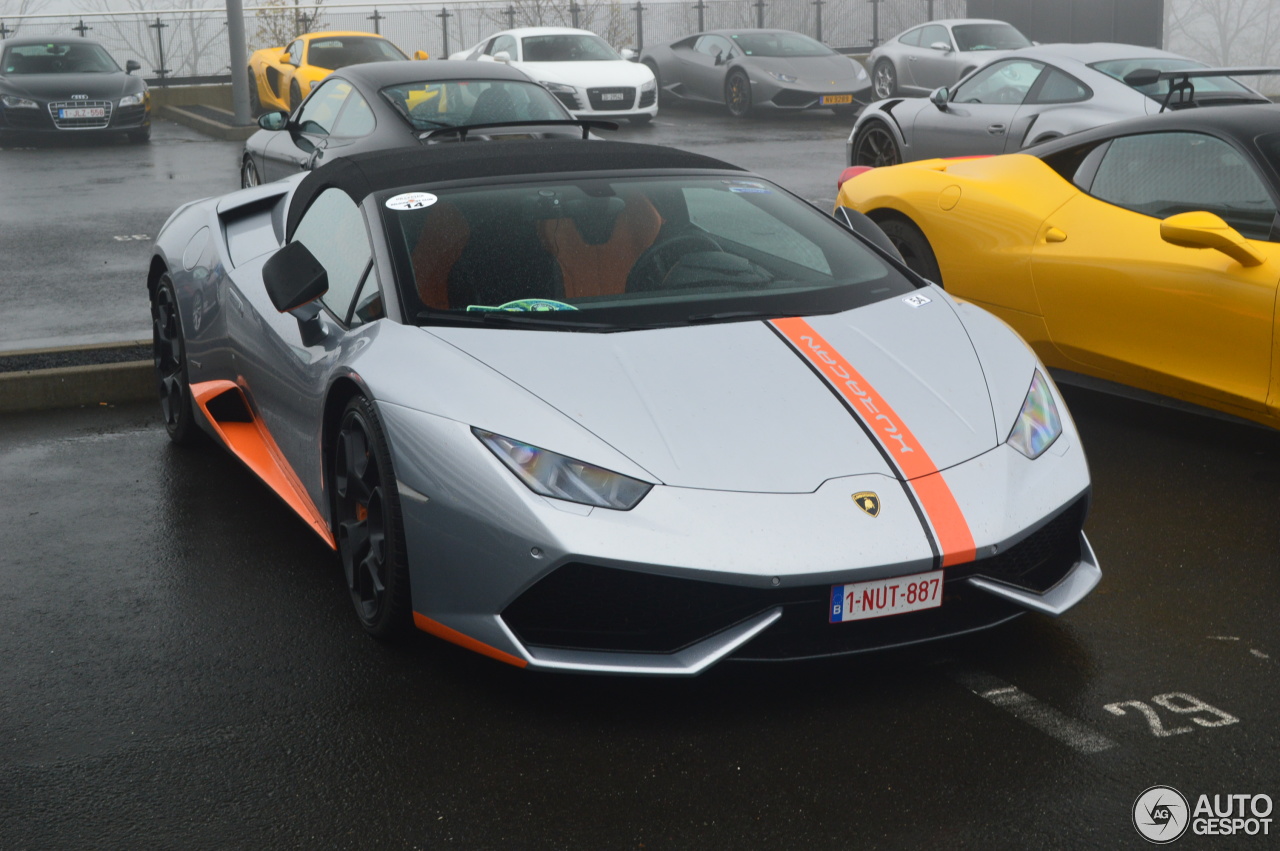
(928, 487)
(889, 428)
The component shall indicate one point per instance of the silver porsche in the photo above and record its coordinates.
(938, 53)
(603, 407)
(1034, 95)
(751, 70)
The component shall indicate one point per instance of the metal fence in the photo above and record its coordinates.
(189, 44)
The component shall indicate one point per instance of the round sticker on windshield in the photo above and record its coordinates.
(411, 201)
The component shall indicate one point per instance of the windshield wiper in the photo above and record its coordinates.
(726, 315)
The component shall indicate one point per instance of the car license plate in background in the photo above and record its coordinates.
(831, 100)
(861, 600)
(83, 112)
(611, 96)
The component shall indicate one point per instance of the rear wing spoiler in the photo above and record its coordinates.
(1180, 80)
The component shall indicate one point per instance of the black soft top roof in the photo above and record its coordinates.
(363, 174)
(1242, 122)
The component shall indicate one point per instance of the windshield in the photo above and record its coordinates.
(779, 44)
(568, 48)
(58, 58)
(988, 37)
(609, 254)
(429, 105)
(1121, 68)
(341, 51)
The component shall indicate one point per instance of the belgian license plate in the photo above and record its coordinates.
(83, 112)
(611, 96)
(832, 100)
(859, 601)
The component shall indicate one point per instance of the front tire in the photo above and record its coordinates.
(641, 120)
(912, 244)
(663, 97)
(169, 351)
(737, 94)
(140, 137)
(884, 79)
(367, 523)
(875, 146)
(248, 173)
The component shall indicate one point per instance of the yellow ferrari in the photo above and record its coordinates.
(280, 77)
(1144, 253)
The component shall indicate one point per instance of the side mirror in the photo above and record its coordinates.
(940, 46)
(939, 97)
(629, 54)
(294, 280)
(421, 54)
(502, 56)
(1205, 230)
(286, 58)
(132, 65)
(273, 120)
(718, 56)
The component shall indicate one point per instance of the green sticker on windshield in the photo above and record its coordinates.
(524, 305)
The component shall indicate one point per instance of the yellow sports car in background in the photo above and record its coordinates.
(1142, 253)
(280, 77)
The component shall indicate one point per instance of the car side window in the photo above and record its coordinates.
(911, 37)
(712, 44)
(1163, 174)
(1004, 82)
(295, 53)
(503, 43)
(356, 118)
(333, 230)
(932, 34)
(1057, 87)
(321, 110)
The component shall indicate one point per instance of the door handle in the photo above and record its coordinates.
(995, 129)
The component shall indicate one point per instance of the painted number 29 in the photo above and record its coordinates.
(1179, 704)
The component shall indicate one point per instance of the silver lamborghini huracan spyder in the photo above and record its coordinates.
(604, 407)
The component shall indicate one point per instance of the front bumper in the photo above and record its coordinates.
(45, 118)
(610, 102)
(689, 578)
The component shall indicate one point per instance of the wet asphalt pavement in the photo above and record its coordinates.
(182, 669)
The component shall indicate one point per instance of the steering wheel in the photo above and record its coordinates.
(652, 267)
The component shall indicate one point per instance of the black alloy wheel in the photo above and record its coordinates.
(295, 96)
(366, 517)
(875, 146)
(913, 245)
(248, 173)
(884, 79)
(737, 94)
(169, 351)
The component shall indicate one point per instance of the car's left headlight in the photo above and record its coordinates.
(560, 477)
(133, 100)
(1038, 424)
(559, 88)
(783, 78)
(862, 71)
(15, 102)
(649, 86)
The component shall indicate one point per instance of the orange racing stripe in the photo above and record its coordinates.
(899, 446)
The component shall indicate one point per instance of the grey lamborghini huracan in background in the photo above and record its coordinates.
(748, 70)
(603, 407)
(1030, 96)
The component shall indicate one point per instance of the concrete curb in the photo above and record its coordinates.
(77, 386)
(226, 131)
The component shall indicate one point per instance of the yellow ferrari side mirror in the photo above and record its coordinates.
(284, 57)
(421, 54)
(1205, 230)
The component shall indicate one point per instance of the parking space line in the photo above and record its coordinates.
(1026, 708)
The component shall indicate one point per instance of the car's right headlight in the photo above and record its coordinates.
(560, 477)
(15, 102)
(1038, 424)
(558, 88)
